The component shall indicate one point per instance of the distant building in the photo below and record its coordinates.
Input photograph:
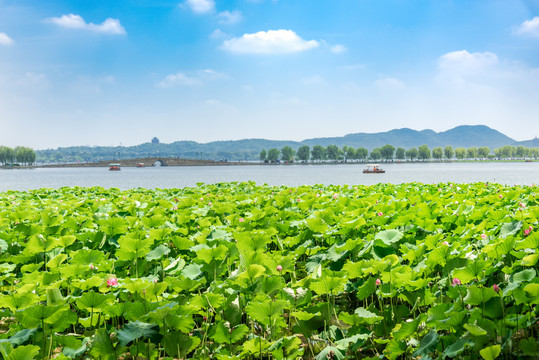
(155, 140)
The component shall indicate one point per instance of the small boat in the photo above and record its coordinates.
(114, 167)
(373, 169)
(140, 165)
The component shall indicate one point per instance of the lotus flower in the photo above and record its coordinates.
(112, 282)
(241, 220)
(378, 281)
(496, 288)
(380, 213)
(501, 196)
(456, 281)
(483, 236)
(446, 243)
(527, 232)
(279, 268)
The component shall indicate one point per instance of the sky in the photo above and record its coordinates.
(109, 73)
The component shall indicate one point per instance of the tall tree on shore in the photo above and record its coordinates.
(362, 153)
(287, 154)
(304, 153)
(273, 155)
(318, 153)
(460, 153)
(449, 152)
(471, 152)
(387, 151)
(333, 152)
(424, 152)
(263, 155)
(412, 153)
(438, 153)
(376, 154)
(483, 152)
(400, 153)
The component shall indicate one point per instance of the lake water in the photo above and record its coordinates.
(510, 173)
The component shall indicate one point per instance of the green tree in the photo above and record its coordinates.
(438, 153)
(376, 154)
(362, 153)
(424, 152)
(471, 152)
(318, 153)
(287, 154)
(333, 152)
(7, 155)
(412, 153)
(449, 152)
(483, 152)
(273, 155)
(304, 152)
(349, 153)
(460, 153)
(400, 153)
(387, 151)
(522, 152)
(263, 155)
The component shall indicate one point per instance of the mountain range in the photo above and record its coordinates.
(249, 149)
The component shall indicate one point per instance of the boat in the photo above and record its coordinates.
(114, 167)
(140, 165)
(373, 169)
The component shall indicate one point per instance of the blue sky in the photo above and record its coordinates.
(109, 72)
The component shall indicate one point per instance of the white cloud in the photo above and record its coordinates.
(218, 34)
(178, 79)
(356, 66)
(529, 27)
(197, 79)
(71, 21)
(389, 83)
(338, 49)
(229, 17)
(201, 6)
(269, 42)
(5, 40)
(456, 66)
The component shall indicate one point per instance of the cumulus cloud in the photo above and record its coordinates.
(458, 65)
(5, 40)
(269, 42)
(529, 27)
(201, 6)
(389, 83)
(194, 79)
(218, 34)
(338, 49)
(71, 21)
(229, 17)
(178, 79)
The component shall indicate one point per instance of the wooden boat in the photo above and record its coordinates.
(373, 169)
(140, 165)
(114, 167)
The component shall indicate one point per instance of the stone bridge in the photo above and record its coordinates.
(153, 161)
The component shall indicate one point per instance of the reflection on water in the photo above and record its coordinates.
(175, 177)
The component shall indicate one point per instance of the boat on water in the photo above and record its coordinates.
(140, 165)
(114, 167)
(373, 169)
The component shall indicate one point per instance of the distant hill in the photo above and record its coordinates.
(249, 149)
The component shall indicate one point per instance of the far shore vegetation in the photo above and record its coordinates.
(18, 156)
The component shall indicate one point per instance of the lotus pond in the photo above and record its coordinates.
(241, 271)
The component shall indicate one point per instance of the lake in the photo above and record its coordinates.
(509, 173)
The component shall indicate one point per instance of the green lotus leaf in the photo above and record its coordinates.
(427, 345)
(328, 284)
(256, 346)
(367, 289)
(103, 348)
(287, 347)
(267, 312)
(491, 352)
(212, 254)
(39, 243)
(36, 315)
(532, 290)
(390, 236)
(530, 260)
(317, 225)
(26, 352)
(131, 248)
(181, 323)
(18, 301)
(192, 271)
(158, 252)
(87, 257)
(529, 346)
(524, 276)
(225, 335)
(256, 241)
(113, 226)
(208, 300)
(136, 330)
(66, 240)
(179, 345)
(303, 315)
(330, 352)
(92, 301)
(20, 337)
(457, 348)
(366, 316)
(76, 352)
(394, 349)
(511, 228)
(408, 328)
(479, 295)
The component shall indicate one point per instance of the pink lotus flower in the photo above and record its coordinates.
(446, 243)
(155, 281)
(279, 268)
(527, 232)
(334, 196)
(92, 267)
(241, 220)
(456, 281)
(496, 288)
(380, 214)
(112, 282)
(501, 196)
(378, 281)
(483, 236)
(521, 204)
(175, 208)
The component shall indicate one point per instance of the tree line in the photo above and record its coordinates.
(20, 154)
(389, 152)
